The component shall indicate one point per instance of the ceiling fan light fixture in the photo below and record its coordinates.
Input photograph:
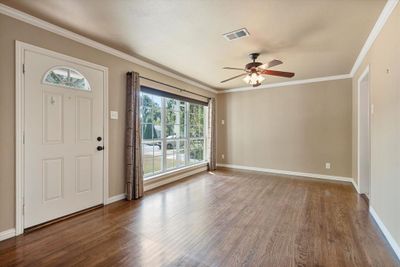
(253, 78)
(254, 71)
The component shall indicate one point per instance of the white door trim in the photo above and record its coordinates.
(362, 76)
(20, 48)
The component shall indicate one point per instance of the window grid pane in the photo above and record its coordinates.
(66, 77)
(172, 133)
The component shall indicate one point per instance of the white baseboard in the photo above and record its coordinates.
(355, 186)
(163, 181)
(302, 174)
(7, 234)
(385, 232)
(115, 198)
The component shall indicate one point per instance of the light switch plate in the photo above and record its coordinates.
(114, 115)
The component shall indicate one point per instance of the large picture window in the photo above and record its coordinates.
(173, 133)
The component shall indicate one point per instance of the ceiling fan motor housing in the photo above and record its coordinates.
(253, 65)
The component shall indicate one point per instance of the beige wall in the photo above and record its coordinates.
(293, 128)
(385, 123)
(11, 30)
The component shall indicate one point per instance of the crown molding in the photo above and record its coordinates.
(22, 16)
(295, 82)
(383, 17)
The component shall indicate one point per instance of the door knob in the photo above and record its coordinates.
(99, 138)
(100, 148)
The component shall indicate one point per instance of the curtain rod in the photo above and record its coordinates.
(178, 88)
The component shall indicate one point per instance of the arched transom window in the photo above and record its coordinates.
(66, 77)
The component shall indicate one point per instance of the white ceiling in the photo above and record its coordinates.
(314, 38)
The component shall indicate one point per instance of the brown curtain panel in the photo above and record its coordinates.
(211, 146)
(133, 155)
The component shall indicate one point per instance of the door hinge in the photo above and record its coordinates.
(23, 138)
(23, 68)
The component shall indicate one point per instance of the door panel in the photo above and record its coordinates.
(83, 119)
(63, 169)
(83, 173)
(52, 118)
(53, 183)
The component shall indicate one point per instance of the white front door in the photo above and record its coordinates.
(63, 161)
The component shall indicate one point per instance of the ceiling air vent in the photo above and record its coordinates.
(230, 36)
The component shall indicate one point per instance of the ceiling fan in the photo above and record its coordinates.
(254, 71)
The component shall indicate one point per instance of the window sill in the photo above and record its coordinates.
(174, 175)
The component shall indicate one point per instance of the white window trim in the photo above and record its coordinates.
(168, 173)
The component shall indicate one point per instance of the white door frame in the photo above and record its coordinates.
(362, 76)
(20, 49)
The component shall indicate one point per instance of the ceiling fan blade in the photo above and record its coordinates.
(234, 77)
(278, 73)
(229, 68)
(271, 64)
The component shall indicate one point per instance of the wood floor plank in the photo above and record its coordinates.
(225, 218)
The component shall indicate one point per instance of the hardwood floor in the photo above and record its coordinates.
(229, 218)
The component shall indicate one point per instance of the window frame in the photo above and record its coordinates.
(89, 89)
(164, 140)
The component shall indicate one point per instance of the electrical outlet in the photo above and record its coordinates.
(223, 122)
(222, 156)
(327, 165)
